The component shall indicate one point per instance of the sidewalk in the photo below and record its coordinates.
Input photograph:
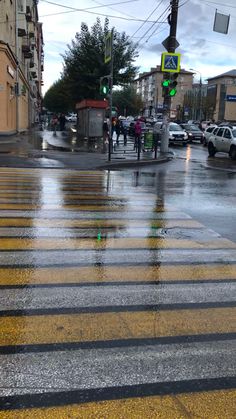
(45, 149)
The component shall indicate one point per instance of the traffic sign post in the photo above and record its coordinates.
(170, 64)
(108, 58)
(108, 47)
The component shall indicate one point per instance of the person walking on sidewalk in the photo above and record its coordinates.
(54, 123)
(137, 132)
(62, 121)
(118, 129)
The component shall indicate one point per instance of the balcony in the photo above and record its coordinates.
(31, 30)
(26, 48)
(28, 14)
(22, 26)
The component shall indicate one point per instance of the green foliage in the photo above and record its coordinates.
(57, 98)
(84, 61)
(127, 101)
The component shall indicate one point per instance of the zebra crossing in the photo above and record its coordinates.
(113, 303)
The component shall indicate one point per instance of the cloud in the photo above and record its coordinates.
(209, 52)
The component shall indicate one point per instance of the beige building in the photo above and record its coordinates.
(221, 94)
(149, 85)
(21, 65)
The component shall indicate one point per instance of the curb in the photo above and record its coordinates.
(134, 163)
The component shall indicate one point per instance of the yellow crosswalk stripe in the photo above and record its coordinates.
(109, 326)
(208, 405)
(98, 274)
(69, 223)
(112, 243)
(80, 207)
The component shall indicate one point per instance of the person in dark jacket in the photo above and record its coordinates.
(118, 129)
(62, 121)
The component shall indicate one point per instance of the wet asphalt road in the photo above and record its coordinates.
(202, 186)
(117, 291)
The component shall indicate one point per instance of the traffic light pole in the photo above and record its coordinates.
(167, 98)
(110, 145)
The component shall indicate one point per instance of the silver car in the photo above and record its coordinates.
(177, 135)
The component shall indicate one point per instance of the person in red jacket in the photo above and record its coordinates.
(137, 132)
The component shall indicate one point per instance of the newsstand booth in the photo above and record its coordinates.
(90, 118)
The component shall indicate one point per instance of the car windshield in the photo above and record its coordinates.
(174, 127)
(194, 127)
(234, 133)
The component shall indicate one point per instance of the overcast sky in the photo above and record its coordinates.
(202, 49)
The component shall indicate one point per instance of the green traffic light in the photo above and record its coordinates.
(104, 90)
(172, 92)
(166, 83)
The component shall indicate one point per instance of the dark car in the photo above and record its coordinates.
(194, 133)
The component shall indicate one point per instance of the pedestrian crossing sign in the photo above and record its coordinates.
(170, 62)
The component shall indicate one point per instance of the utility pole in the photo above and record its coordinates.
(173, 17)
(110, 145)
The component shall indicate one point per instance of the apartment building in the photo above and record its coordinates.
(21, 65)
(221, 94)
(149, 86)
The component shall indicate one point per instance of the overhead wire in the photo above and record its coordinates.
(148, 30)
(140, 27)
(112, 8)
(218, 3)
(88, 10)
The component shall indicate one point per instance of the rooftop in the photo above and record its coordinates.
(231, 73)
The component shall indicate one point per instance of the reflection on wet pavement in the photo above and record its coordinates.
(113, 301)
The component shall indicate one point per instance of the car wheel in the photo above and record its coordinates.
(232, 153)
(211, 150)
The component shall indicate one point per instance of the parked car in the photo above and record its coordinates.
(177, 134)
(194, 133)
(224, 140)
(72, 117)
(208, 133)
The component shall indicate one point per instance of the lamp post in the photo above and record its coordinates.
(200, 92)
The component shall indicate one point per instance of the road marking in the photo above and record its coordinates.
(208, 405)
(61, 328)
(113, 243)
(70, 223)
(100, 274)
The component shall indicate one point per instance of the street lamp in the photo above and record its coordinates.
(200, 92)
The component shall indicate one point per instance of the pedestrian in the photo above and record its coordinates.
(118, 129)
(113, 127)
(105, 131)
(124, 132)
(62, 121)
(54, 122)
(137, 133)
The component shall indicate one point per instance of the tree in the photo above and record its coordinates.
(127, 101)
(57, 98)
(84, 61)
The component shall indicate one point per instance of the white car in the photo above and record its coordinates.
(224, 140)
(209, 131)
(72, 117)
(177, 133)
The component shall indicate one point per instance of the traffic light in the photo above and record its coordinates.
(173, 84)
(165, 87)
(104, 86)
(169, 85)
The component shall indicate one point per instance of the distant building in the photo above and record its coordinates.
(221, 94)
(149, 86)
(195, 102)
(21, 65)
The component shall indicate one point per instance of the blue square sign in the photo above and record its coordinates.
(170, 62)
